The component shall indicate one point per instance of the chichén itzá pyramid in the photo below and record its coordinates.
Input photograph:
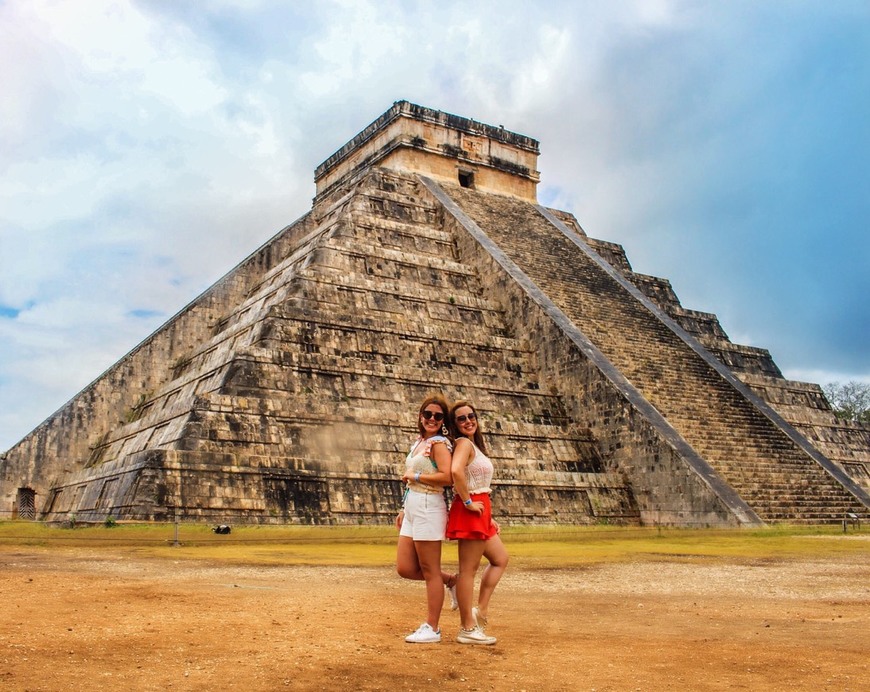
(287, 392)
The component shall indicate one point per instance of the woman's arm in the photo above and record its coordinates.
(443, 477)
(462, 456)
(440, 454)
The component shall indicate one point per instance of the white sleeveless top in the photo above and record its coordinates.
(478, 473)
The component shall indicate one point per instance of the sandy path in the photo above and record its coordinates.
(82, 619)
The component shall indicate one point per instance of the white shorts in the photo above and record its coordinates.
(425, 516)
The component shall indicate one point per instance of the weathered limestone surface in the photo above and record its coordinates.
(415, 139)
(288, 391)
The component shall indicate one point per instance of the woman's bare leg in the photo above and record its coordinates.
(470, 553)
(497, 555)
(407, 564)
(429, 559)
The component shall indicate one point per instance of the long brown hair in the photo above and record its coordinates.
(433, 399)
(477, 439)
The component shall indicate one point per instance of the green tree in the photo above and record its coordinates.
(850, 401)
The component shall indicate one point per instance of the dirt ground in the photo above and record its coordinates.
(81, 619)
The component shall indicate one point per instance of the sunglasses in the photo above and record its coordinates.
(437, 415)
(467, 417)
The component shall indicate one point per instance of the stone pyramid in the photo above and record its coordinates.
(287, 392)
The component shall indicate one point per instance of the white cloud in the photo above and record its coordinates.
(823, 377)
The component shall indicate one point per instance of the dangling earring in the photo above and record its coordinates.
(444, 430)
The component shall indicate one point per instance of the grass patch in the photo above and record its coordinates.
(542, 547)
(591, 545)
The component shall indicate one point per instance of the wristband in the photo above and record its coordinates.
(467, 502)
(417, 477)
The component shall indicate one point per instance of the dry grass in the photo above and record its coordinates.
(539, 547)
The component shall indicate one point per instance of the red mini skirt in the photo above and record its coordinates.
(462, 523)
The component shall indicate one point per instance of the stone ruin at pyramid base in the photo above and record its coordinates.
(288, 391)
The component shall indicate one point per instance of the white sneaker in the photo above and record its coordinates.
(454, 602)
(479, 620)
(474, 636)
(424, 635)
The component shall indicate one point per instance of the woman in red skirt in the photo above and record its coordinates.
(470, 522)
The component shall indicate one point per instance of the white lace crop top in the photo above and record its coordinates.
(422, 462)
(478, 473)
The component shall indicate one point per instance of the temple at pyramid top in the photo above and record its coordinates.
(415, 139)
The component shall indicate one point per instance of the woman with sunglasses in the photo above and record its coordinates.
(470, 522)
(423, 517)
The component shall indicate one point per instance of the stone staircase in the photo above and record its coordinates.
(802, 404)
(754, 455)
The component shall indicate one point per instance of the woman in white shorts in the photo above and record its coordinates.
(423, 517)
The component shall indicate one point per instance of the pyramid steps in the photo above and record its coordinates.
(707, 411)
(704, 326)
(297, 376)
(805, 407)
(313, 367)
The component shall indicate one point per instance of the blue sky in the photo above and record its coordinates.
(147, 147)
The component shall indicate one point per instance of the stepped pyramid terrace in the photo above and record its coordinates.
(288, 391)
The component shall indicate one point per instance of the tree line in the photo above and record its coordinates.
(850, 400)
